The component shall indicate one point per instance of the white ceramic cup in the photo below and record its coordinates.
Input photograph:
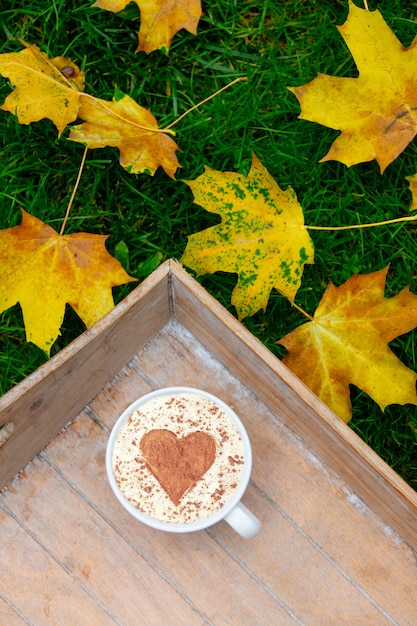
(236, 514)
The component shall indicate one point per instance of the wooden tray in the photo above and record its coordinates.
(339, 526)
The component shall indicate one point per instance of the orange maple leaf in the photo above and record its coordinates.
(124, 124)
(43, 271)
(44, 88)
(160, 20)
(376, 112)
(347, 343)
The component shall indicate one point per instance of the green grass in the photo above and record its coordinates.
(274, 44)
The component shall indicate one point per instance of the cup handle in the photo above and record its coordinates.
(243, 521)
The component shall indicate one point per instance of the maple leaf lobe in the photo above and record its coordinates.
(412, 183)
(160, 20)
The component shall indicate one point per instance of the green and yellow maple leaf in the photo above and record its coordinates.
(44, 87)
(44, 271)
(346, 342)
(124, 124)
(160, 20)
(375, 112)
(262, 236)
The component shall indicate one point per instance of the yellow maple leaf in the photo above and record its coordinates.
(347, 343)
(43, 271)
(44, 88)
(262, 236)
(123, 124)
(376, 112)
(160, 20)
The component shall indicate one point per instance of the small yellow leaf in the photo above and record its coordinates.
(347, 343)
(262, 236)
(412, 183)
(42, 88)
(376, 112)
(44, 271)
(124, 124)
(160, 20)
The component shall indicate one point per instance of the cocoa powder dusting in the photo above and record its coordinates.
(178, 463)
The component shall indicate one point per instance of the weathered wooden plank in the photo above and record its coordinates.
(193, 564)
(323, 507)
(46, 400)
(40, 589)
(9, 615)
(373, 480)
(117, 395)
(350, 535)
(293, 569)
(116, 574)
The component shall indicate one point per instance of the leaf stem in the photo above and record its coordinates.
(74, 191)
(410, 218)
(110, 111)
(213, 95)
(302, 311)
(166, 129)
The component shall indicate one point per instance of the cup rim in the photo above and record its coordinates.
(173, 526)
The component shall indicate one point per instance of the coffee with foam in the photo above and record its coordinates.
(178, 458)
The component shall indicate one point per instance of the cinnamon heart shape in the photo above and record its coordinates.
(177, 463)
